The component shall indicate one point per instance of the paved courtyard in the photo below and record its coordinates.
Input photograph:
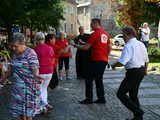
(65, 99)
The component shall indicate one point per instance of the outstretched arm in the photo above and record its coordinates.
(117, 64)
(83, 47)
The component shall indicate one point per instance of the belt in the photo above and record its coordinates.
(135, 68)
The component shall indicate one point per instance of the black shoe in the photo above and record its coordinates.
(86, 101)
(99, 101)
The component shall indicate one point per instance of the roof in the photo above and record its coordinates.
(84, 4)
(71, 1)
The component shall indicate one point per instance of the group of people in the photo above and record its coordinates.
(34, 70)
(134, 58)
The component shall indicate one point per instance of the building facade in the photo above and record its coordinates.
(84, 15)
(102, 9)
(69, 25)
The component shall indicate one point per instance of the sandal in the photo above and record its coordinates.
(49, 108)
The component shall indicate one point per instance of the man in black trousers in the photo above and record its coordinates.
(82, 57)
(99, 43)
(135, 59)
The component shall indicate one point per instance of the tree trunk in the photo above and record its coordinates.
(9, 33)
(31, 34)
(22, 28)
(159, 35)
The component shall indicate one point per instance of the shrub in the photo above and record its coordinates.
(31, 45)
(6, 53)
(153, 41)
(155, 52)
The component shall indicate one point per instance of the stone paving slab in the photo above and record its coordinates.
(116, 84)
(149, 91)
(150, 101)
(112, 76)
(66, 106)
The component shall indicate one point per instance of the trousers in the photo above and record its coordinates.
(96, 71)
(130, 85)
(44, 86)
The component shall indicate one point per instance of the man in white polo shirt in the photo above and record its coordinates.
(145, 32)
(135, 60)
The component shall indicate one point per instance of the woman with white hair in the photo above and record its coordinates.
(25, 92)
(45, 56)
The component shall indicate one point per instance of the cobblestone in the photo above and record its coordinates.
(66, 96)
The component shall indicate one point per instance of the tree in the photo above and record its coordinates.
(43, 13)
(130, 13)
(135, 12)
(152, 8)
(35, 14)
(10, 13)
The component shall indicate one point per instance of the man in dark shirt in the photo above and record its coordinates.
(82, 57)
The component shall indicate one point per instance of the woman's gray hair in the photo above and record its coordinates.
(18, 38)
(39, 36)
(62, 33)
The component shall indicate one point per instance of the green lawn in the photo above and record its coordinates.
(153, 41)
(154, 65)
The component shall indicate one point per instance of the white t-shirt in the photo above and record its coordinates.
(134, 54)
(144, 36)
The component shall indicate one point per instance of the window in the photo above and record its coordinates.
(65, 27)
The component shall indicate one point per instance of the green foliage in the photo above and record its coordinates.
(35, 14)
(135, 12)
(118, 20)
(130, 13)
(153, 41)
(151, 13)
(11, 11)
(30, 45)
(155, 52)
(43, 13)
(6, 53)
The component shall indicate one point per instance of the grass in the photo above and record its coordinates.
(153, 41)
(154, 65)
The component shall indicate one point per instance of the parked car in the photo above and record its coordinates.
(118, 40)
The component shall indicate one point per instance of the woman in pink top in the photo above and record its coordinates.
(45, 56)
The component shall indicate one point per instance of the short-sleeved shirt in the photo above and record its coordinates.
(134, 54)
(63, 44)
(45, 56)
(81, 39)
(56, 49)
(144, 36)
(100, 42)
